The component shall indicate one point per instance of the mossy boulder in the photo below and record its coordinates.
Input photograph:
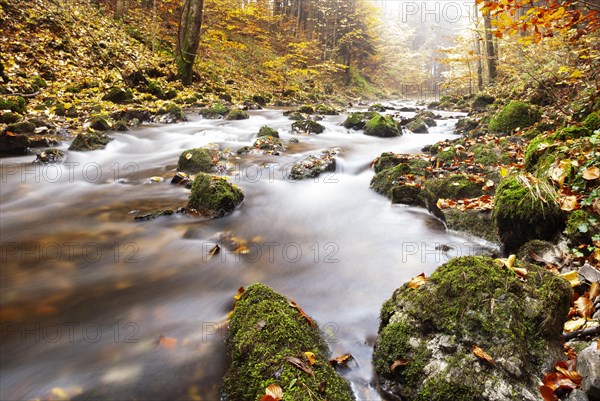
(481, 102)
(455, 187)
(592, 121)
(307, 126)
(402, 183)
(237, 114)
(214, 196)
(516, 114)
(306, 109)
(118, 95)
(536, 150)
(16, 104)
(266, 145)
(378, 107)
(383, 127)
(314, 165)
(424, 348)
(474, 222)
(388, 160)
(581, 227)
(326, 110)
(428, 117)
(218, 110)
(418, 126)
(100, 123)
(571, 132)
(358, 120)
(265, 333)
(23, 127)
(465, 125)
(90, 141)
(268, 131)
(170, 113)
(198, 160)
(526, 209)
(9, 117)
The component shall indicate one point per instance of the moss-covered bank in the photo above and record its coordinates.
(266, 333)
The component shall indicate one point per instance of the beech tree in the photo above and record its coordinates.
(188, 38)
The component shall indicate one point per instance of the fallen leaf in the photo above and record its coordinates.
(594, 290)
(591, 173)
(548, 393)
(239, 293)
(556, 380)
(188, 156)
(311, 358)
(308, 318)
(167, 343)
(568, 370)
(417, 282)
(573, 325)
(572, 277)
(299, 364)
(569, 203)
(482, 355)
(584, 306)
(273, 392)
(341, 361)
(397, 363)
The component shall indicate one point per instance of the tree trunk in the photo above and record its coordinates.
(188, 38)
(120, 9)
(489, 48)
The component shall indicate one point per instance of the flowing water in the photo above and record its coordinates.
(87, 292)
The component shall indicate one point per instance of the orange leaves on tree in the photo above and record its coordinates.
(273, 392)
(482, 355)
(416, 282)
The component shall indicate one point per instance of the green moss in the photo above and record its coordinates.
(307, 126)
(100, 122)
(24, 127)
(306, 109)
(15, 104)
(387, 160)
(453, 187)
(237, 114)
(217, 111)
(571, 132)
(358, 120)
(473, 222)
(326, 110)
(38, 83)
(525, 211)
(385, 181)
(90, 141)
(199, 160)
(118, 95)
(469, 300)
(377, 107)
(514, 115)
(481, 102)
(539, 146)
(264, 331)
(592, 121)
(418, 126)
(581, 227)
(382, 127)
(9, 117)
(214, 196)
(268, 131)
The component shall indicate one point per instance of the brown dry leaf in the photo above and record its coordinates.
(572, 277)
(570, 352)
(584, 306)
(567, 369)
(417, 282)
(311, 357)
(239, 293)
(273, 392)
(308, 318)
(591, 173)
(520, 272)
(167, 343)
(569, 203)
(573, 325)
(482, 355)
(548, 394)
(299, 364)
(341, 361)
(397, 363)
(556, 380)
(594, 290)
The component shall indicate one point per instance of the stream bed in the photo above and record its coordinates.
(87, 293)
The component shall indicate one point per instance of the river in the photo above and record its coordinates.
(87, 292)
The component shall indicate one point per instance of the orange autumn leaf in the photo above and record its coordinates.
(557, 380)
(594, 290)
(167, 343)
(548, 393)
(417, 282)
(239, 293)
(568, 370)
(299, 309)
(341, 361)
(273, 392)
(572, 277)
(397, 363)
(591, 173)
(482, 355)
(569, 203)
(584, 306)
(311, 358)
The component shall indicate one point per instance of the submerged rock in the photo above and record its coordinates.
(314, 165)
(267, 343)
(214, 196)
(90, 141)
(382, 126)
(307, 126)
(154, 215)
(424, 350)
(50, 156)
(20, 144)
(198, 160)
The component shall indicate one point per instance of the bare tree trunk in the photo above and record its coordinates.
(120, 9)
(489, 48)
(479, 53)
(188, 38)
